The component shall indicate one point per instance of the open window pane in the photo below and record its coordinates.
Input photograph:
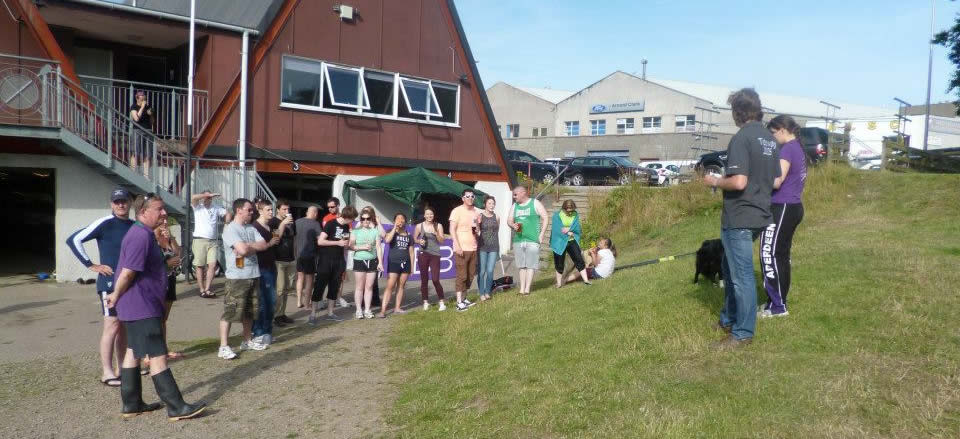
(447, 97)
(346, 87)
(420, 98)
(301, 82)
(380, 88)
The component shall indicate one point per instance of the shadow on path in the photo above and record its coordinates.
(28, 305)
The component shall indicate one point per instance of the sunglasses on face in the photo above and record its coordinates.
(468, 196)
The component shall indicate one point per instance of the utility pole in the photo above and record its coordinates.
(926, 117)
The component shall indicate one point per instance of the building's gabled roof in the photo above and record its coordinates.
(249, 14)
(777, 103)
(547, 94)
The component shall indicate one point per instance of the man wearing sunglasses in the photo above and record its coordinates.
(463, 231)
(109, 232)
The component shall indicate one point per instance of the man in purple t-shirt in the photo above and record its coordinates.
(140, 286)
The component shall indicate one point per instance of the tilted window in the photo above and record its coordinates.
(346, 87)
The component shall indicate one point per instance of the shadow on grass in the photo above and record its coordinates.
(233, 377)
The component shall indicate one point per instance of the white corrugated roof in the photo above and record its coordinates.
(548, 94)
(777, 103)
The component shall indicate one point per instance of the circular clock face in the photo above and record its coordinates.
(19, 90)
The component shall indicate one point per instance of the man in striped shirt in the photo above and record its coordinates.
(108, 232)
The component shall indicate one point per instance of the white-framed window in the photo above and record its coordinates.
(652, 124)
(513, 130)
(536, 132)
(543, 132)
(317, 85)
(571, 128)
(598, 127)
(625, 125)
(686, 123)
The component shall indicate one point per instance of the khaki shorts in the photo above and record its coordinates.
(205, 251)
(526, 255)
(241, 299)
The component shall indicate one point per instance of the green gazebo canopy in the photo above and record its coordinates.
(408, 186)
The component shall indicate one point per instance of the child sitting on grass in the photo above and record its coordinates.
(600, 261)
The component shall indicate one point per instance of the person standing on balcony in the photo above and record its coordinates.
(206, 245)
(141, 113)
(109, 232)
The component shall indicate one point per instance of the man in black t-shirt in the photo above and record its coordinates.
(141, 143)
(286, 262)
(752, 165)
(331, 262)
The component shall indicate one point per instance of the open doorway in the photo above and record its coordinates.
(29, 202)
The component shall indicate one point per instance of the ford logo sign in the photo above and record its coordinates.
(599, 108)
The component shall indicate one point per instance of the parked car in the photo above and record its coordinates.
(664, 172)
(532, 167)
(814, 141)
(602, 170)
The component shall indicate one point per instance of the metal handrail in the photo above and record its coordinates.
(264, 192)
(29, 58)
(169, 103)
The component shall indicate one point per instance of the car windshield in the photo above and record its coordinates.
(623, 161)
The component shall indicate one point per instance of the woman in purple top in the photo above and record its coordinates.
(786, 205)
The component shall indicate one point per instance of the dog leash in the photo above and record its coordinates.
(654, 261)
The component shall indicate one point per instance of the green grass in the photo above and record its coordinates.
(871, 348)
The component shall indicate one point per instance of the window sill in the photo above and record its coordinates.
(367, 115)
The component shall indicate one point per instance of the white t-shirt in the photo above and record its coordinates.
(232, 234)
(205, 221)
(605, 266)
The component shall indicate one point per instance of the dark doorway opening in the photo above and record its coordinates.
(301, 191)
(29, 200)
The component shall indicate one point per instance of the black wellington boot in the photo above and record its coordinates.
(169, 393)
(131, 393)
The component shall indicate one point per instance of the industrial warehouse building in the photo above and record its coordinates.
(642, 118)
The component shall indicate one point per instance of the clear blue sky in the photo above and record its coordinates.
(854, 51)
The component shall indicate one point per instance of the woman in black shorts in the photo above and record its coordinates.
(171, 253)
(398, 263)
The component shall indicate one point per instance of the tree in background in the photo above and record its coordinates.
(950, 39)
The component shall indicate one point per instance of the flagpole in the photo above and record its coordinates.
(187, 237)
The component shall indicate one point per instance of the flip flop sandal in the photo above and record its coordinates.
(208, 295)
(174, 355)
(111, 382)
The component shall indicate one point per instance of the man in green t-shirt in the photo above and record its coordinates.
(527, 219)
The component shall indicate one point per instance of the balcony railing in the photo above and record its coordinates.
(34, 92)
(169, 103)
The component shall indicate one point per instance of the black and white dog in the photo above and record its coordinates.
(710, 260)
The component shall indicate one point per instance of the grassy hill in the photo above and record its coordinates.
(871, 347)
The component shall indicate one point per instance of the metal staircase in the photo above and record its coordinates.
(38, 101)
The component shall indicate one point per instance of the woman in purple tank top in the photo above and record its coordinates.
(786, 205)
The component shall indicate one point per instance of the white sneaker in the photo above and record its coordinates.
(442, 307)
(342, 302)
(358, 315)
(258, 339)
(256, 346)
(462, 306)
(468, 302)
(226, 353)
(426, 306)
(367, 315)
(766, 314)
(266, 339)
(244, 346)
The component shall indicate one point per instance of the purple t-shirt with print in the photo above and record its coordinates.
(791, 190)
(141, 253)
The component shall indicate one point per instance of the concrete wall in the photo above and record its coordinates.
(82, 196)
(513, 106)
(620, 87)
(672, 146)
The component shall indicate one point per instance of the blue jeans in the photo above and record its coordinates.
(263, 324)
(740, 287)
(487, 262)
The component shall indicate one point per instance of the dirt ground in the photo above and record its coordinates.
(325, 381)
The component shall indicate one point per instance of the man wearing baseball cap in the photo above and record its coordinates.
(108, 231)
